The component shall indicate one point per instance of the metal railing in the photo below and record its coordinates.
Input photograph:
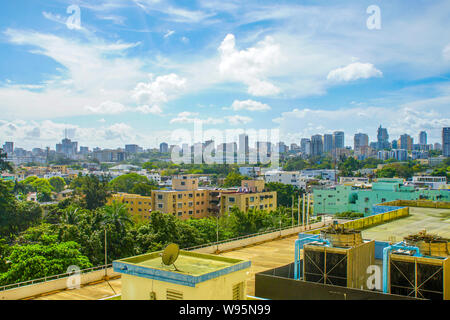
(210, 244)
(49, 278)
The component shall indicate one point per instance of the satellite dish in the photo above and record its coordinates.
(170, 255)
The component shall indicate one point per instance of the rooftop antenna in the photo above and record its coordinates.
(170, 255)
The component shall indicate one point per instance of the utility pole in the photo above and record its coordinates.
(292, 211)
(106, 259)
(307, 210)
(303, 211)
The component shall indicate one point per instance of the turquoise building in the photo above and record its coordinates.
(348, 198)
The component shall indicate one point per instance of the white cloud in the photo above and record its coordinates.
(354, 71)
(107, 107)
(250, 66)
(159, 91)
(237, 120)
(249, 105)
(191, 117)
(169, 33)
(446, 52)
(92, 72)
(146, 109)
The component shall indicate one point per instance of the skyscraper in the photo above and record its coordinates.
(446, 142)
(361, 140)
(422, 138)
(8, 147)
(163, 148)
(305, 146)
(382, 138)
(339, 140)
(327, 143)
(316, 145)
(243, 149)
(406, 142)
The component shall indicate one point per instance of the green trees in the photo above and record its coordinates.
(93, 191)
(57, 183)
(285, 192)
(5, 165)
(37, 261)
(396, 170)
(131, 182)
(233, 179)
(16, 216)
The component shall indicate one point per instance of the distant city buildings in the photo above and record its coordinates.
(361, 142)
(382, 139)
(339, 140)
(163, 148)
(133, 148)
(8, 147)
(316, 145)
(446, 142)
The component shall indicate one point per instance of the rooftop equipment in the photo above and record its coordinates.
(339, 257)
(421, 270)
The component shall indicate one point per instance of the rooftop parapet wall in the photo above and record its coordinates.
(417, 203)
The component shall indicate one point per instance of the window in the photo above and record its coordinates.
(160, 196)
(180, 205)
(252, 199)
(174, 295)
(183, 183)
(160, 205)
(139, 202)
(261, 206)
(191, 195)
(231, 199)
(180, 213)
(191, 212)
(180, 196)
(238, 291)
(191, 204)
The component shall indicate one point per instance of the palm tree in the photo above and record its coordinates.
(117, 215)
(70, 216)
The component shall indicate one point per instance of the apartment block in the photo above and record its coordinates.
(138, 206)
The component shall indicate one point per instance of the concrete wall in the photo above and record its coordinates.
(53, 285)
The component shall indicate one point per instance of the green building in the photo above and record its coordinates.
(348, 198)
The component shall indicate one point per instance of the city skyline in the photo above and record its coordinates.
(134, 71)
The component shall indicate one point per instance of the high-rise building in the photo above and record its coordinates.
(67, 147)
(84, 150)
(327, 143)
(243, 149)
(132, 148)
(422, 138)
(316, 145)
(8, 147)
(163, 148)
(446, 142)
(339, 140)
(394, 144)
(361, 140)
(382, 138)
(405, 142)
(305, 146)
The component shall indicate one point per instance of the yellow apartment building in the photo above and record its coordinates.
(139, 206)
(183, 204)
(253, 196)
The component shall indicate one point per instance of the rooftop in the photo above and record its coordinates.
(190, 267)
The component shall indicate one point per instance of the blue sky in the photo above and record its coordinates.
(134, 71)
